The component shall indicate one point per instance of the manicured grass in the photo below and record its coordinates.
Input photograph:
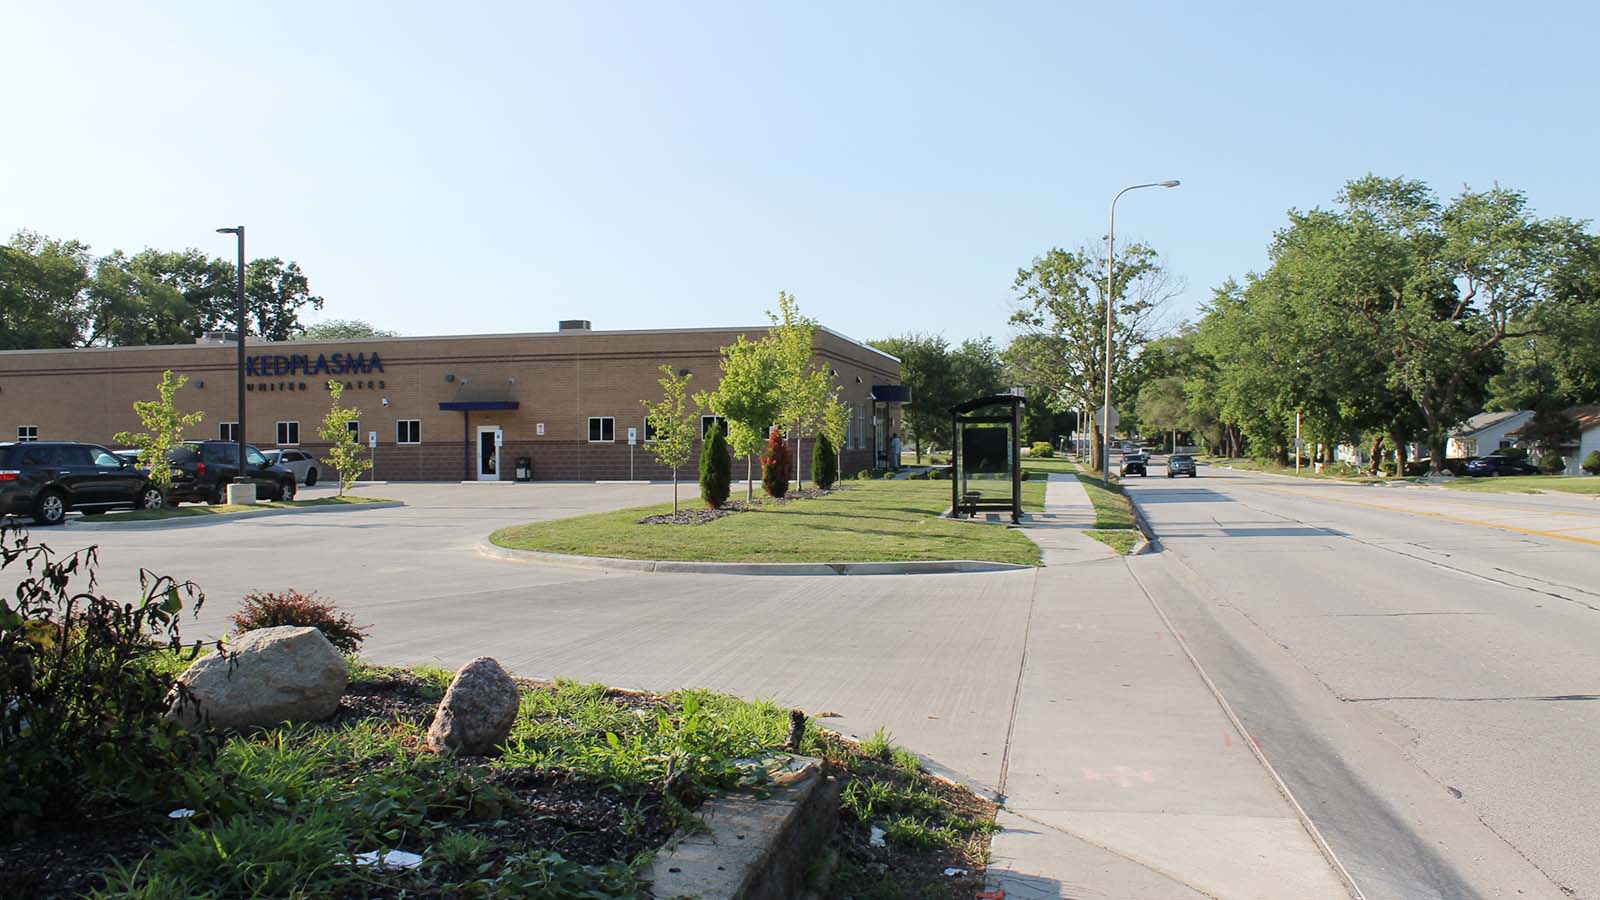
(1528, 484)
(202, 509)
(1336, 472)
(861, 521)
(1121, 540)
(1111, 507)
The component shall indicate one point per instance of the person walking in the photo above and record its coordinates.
(894, 452)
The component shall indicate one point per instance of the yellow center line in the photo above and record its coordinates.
(1444, 516)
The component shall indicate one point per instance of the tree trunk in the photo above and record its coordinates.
(1097, 450)
(799, 479)
(750, 478)
(1377, 456)
(674, 492)
(916, 441)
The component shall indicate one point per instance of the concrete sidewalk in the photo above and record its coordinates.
(1124, 778)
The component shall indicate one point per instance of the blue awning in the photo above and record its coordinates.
(477, 405)
(891, 393)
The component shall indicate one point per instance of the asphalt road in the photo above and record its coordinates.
(1421, 666)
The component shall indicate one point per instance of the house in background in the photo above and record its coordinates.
(1485, 433)
(1588, 418)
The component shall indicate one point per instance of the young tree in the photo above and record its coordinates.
(675, 421)
(747, 397)
(345, 453)
(804, 386)
(824, 464)
(715, 468)
(165, 428)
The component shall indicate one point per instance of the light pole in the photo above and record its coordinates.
(240, 328)
(1111, 265)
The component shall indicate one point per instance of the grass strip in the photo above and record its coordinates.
(185, 512)
(860, 521)
(1528, 484)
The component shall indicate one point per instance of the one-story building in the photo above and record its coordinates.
(1587, 418)
(1485, 433)
(569, 402)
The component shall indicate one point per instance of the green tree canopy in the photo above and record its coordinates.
(342, 329)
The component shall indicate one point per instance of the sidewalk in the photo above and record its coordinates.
(1124, 778)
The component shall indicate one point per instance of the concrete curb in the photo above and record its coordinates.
(649, 566)
(753, 848)
(222, 518)
(1149, 543)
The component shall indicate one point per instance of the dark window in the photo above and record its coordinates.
(355, 428)
(27, 433)
(602, 429)
(408, 431)
(230, 431)
(36, 456)
(288, 433)
(649, 431)
(707, 421)
(73, 455)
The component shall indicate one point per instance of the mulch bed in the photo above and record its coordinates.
(702, 515)
(588, 823)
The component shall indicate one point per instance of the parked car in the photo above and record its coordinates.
(47, 479)
(1180, 464)
(202, 471)
(1135, 463)
(1485, 466)
(305, 467)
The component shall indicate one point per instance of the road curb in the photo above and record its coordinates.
(654, 566)
(223, 518)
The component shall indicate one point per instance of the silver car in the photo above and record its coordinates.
(306, 468)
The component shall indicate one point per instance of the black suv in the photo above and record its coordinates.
(46, 479)
(202, 471)
(1493, 465)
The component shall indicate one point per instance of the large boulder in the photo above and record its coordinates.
(477, 711)
(266, 677)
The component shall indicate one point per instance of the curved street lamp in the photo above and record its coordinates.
(1111, 265)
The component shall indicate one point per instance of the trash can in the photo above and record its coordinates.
(524, 469)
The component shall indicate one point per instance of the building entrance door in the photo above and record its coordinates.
(489, 452)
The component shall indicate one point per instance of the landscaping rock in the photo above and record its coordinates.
(266, 677)
(477, 711)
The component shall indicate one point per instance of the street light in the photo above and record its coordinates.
(240, 328)
(1111, 264)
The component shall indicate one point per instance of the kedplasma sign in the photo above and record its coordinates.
(286, 369)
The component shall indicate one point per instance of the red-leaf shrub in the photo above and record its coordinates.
(268, 610)
(775, 465)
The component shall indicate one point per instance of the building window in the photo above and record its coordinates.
(861, 428)
(230, 432)
(27, 433)
(649, 431)
(408, 431)
(288, 434)
(355, 428)
(602, 429)
(707, 421)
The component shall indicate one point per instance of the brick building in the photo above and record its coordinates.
(442, 408)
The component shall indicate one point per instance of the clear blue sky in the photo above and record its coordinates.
(455, 168)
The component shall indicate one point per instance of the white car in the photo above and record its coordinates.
(304, 466)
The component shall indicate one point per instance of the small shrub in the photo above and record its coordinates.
(1591, 463)
(1552, 463)
(83, 688)
(269, 610)
(1042, 450)
(824, 463)
(775, 465)
(863, 474)
(716, 469)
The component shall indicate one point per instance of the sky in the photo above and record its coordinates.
(464, 168)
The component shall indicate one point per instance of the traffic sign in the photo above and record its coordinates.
(1100, 417)
(633, 436)
(372, 439)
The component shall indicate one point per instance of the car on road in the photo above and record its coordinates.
(306, 468)
(1489, 466)
(48, 479)
(1180, 464)
(1135, 464)
(202, 471)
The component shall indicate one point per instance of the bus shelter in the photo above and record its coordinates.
(986, 470)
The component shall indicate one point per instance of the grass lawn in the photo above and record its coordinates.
(1528, 484)
(588, 786)
(203, 509)
(1336, 472)
(1113, 515)
(861, 521)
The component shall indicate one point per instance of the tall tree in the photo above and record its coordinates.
(747, 397)
(1059, 354)
(164, 426)
(42, 292)
(925, 368)
(342, 329)
(275, 293)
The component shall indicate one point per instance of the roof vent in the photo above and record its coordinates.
(574, 325)
(218, 337)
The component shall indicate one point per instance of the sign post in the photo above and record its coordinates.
(633, 441)
(372, 447)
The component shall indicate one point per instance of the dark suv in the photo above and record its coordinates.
(202, 471)
(46, 479)
(1493, 464)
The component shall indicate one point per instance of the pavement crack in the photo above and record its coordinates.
(1016, 692)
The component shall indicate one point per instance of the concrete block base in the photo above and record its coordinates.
(241, 494)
